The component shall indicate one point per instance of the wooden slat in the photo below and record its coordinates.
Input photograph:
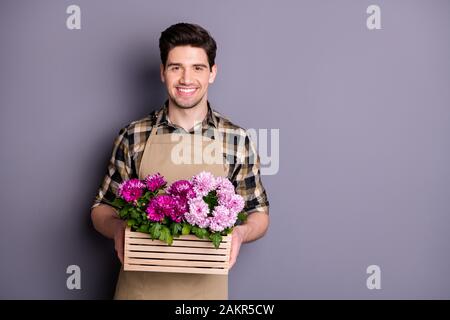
(175, 269)
(177, 256)
(181, 256)
(178, 263)
(171, 249)
(181, 239)
(135, 234)
(177, 243)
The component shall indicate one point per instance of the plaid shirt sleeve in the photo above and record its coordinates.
(248, 178)
(119, 169)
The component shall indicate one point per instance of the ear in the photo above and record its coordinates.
(161, 70)
(212, 74)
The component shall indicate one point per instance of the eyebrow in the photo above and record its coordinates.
(174, 64)
(179, 65)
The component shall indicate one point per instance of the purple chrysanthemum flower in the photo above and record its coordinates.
(182, 189)
(155, 182)
(180, 209)
(159, 207)
(131, 190)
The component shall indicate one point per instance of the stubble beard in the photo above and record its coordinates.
(185, 107)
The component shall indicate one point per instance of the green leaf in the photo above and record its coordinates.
(176, 228)
(186, 229)
(143, 228)
(147, 196)
(117, 202)
(166, 235)
(123, 214)
(200, 232)
(216, 239)
(226, 231)
(134, 214)
(242, 216)
(169, 239)
(211, 200)
(155, 230)
(131, 222)
(195, 231)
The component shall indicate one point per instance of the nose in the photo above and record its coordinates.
(186, 77)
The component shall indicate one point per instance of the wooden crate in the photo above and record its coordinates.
(187, 254)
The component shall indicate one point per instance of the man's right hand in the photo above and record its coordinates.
(119, 235)
(107, 222)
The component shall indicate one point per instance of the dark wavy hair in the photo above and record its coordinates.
(183, 34)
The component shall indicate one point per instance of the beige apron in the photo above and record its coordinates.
(163, 285)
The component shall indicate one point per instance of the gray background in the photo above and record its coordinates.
(364, 119)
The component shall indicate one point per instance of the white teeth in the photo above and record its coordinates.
(186, 90)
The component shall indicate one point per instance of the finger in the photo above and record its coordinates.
(233, 256)
(119, 250)
(231, 264)
(120, 255)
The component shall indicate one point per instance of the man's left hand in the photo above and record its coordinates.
(237, 238)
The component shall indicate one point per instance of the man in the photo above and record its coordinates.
(144, 147)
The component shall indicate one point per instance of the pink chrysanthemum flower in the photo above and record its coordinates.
(198, 213)
(225, 212)
(224, 184)
(155, 182)
(236, 204)
(204, 223)
(224, 198)
(131, 190)
(203, 183)
(221, 219)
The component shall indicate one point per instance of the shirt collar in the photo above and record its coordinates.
(162, 119)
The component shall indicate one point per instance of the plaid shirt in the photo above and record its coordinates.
(239, 153)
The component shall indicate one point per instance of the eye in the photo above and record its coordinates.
(198, 68)
(174, 68)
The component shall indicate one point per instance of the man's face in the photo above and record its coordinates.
(187, 76)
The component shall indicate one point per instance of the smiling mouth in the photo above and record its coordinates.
(186, 92)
